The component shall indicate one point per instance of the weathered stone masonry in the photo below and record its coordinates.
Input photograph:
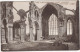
(42, 22)
(7, 22)
(38, 22)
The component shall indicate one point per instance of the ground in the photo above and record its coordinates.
(39, 46)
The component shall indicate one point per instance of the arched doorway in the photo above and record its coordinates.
(16, 31)
(47, 28)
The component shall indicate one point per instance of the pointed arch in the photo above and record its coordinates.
(69, 27)
(48, 10)
(53, 27)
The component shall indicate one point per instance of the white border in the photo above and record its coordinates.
(37, 0)
(42, 51)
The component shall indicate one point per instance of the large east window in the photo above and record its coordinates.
(53, 28)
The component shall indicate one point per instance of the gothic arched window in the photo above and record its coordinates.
(36, 14)
(69, 27)
(53, 28)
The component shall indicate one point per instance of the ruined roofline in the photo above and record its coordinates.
(52, 3)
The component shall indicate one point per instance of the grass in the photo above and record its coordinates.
(35, 46)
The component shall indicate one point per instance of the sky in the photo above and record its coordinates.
(25, 6)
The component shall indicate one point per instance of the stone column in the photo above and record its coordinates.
(39, 31)
(33, 19)
(0, 20)
(3, 37)
(32, 32)
(10, 32)
(23, 33)
(31, 27)
(38, 37)
(19, 31)
(60, 29)
(65, 28)
(74, 32)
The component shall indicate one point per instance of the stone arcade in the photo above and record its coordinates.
(38, 22)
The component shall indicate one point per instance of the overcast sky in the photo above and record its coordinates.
(25, 6)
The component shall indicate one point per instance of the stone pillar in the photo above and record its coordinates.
(38, 37)
(19, 32)
(74, 32)
(15, 32)
(3, 37)
(10, 32)
(32, 32)
(60, 29)
(23, 33)
(30, 27)
(0, 21)
(64, 24)
(65, 28)
(33, 19)
(39, 31)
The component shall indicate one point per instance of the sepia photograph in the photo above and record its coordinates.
(39, 25)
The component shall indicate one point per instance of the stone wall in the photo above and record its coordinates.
(7, 20)
(38, 22)
(42, 32)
